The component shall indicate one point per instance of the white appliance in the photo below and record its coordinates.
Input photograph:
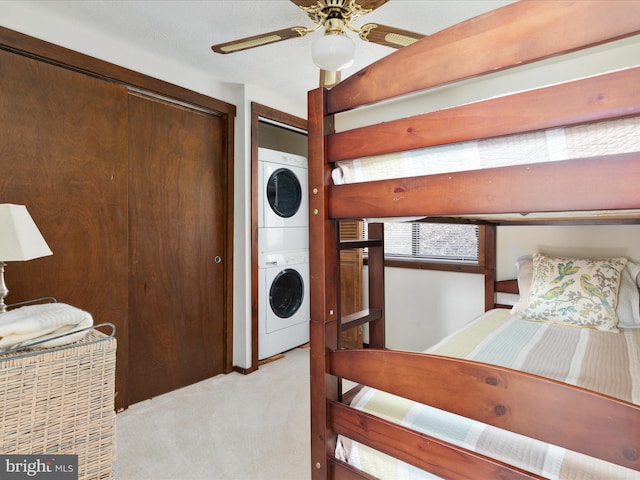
(283, 306)
(284, 191)
(282, 239)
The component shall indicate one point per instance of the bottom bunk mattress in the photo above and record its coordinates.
(605, 362)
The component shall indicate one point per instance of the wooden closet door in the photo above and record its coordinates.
(63, 154)
(177, 218)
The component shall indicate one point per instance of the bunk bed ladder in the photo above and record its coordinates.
(374, 314)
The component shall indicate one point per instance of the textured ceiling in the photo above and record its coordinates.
(183, 32)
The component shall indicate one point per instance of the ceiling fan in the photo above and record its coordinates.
(333, 51)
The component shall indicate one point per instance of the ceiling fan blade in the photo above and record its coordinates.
(305, 3)
(371, 4)
(259, 40)
(388, 36)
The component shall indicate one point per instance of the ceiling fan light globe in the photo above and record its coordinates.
(333, 52)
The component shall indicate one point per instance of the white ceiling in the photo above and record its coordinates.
(183, 32)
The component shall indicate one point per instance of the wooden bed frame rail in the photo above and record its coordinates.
(519, 189)
(497, 396)
(598, 98)
(460, 52)
(525, 32)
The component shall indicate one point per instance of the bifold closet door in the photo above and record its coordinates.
(177, 285)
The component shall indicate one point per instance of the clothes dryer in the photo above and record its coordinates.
(283, 305)
(283, 184)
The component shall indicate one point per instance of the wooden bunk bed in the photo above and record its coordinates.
(530, 405)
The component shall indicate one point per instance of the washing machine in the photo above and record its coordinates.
(283, 312)
(283, 184)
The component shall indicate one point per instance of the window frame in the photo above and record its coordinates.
(461, 266)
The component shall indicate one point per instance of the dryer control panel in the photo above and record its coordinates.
(283, 158)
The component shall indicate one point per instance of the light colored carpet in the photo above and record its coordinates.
(236, 427)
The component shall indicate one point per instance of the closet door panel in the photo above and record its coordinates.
(63, 154)
(177, 237)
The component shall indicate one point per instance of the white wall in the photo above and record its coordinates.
(423, 306)
(578, 241)
(26, 18)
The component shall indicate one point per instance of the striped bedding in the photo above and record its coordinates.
(605, 362)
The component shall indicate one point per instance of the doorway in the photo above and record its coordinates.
(275, 130)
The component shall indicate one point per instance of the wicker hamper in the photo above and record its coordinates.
(61, 401)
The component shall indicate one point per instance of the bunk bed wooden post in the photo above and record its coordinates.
(376, 284)
(487, 258)
(324, 280)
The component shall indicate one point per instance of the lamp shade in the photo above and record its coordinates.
(20, 239)
(333, 52)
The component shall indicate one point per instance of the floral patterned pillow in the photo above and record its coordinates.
(576, 292)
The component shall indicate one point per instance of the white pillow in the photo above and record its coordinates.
(524, 275)
(628, 308)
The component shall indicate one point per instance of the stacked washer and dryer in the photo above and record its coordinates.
(283, 252)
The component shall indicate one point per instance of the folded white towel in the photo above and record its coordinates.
(35, 323)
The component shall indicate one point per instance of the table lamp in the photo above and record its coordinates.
(20, 240)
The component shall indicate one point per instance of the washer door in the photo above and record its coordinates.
(286, 293)
(284, 193)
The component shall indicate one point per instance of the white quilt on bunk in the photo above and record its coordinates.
(581, 141)
(601, 361)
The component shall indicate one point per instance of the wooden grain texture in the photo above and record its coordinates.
(176, 216)
(600, 183)
(487, 259)
(418, 449)
(514, 35)
(384, 35)
(63, 152)
(343, 471)
(517, 34)
(593, 99)
(526, 404)
(375, 271)
(350, 284)
(65, 139)
(324, 296)
(257, 40)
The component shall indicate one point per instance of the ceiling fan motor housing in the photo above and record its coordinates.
(327, 10)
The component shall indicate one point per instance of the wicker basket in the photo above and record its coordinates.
(61, 401)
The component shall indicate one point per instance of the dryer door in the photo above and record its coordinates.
(284, 193)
